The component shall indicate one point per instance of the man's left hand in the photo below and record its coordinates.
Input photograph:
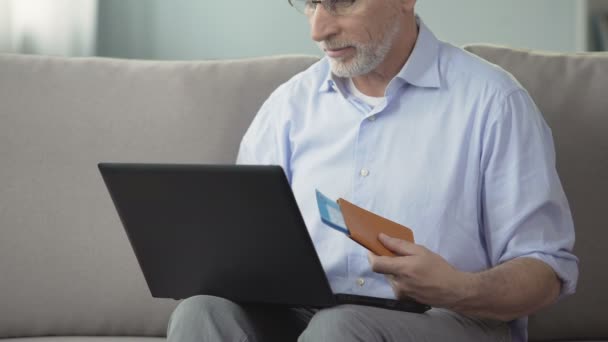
(418, 273)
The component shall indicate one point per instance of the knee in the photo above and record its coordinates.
(342, 323)
(199, 310)
(197, 306)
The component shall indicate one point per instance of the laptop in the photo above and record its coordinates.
(231, 231)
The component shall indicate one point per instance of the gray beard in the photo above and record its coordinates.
(367, 57)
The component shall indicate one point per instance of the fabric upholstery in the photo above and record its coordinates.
(572, 93)
(66, 266)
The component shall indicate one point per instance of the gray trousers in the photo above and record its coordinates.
(207, 318)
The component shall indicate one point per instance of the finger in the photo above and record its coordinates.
(398, 246)
(400, 288)
(382, 264)
(395, 283)
(391, 281)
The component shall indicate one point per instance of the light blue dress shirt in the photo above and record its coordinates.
(457, 151)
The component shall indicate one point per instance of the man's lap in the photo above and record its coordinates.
(365, 323)
(340, 323)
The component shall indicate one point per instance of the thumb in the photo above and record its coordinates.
(398, 246)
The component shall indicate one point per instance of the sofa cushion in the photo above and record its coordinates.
(66, 266)
(572, 93)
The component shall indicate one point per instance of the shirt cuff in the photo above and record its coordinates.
(566, 270)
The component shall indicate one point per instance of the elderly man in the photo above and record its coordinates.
(429, 136)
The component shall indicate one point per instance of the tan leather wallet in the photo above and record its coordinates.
(365, 226)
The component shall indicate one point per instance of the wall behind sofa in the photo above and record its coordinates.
(210, 29)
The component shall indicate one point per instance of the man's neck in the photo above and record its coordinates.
(375, 83)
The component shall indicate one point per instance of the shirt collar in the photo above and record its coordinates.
(421, 68)
(328, 83)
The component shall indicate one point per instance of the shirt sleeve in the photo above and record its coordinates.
(266, 141)
(524, 208)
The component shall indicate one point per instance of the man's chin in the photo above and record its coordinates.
(343, 68)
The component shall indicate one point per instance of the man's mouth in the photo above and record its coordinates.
(337, 53)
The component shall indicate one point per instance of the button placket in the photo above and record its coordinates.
(363, 165)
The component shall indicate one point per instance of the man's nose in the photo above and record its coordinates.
(322, 24)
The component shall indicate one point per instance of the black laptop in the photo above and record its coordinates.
(231, 231)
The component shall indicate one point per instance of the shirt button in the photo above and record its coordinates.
(372, 118)
(360, 281)
(364, 172)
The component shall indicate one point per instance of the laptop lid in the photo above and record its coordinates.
(231, 231)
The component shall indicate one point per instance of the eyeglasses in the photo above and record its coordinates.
(334, 7)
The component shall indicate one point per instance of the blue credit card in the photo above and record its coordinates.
(331, 214)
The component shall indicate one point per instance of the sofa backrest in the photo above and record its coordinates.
(66, 266)
(572, 93)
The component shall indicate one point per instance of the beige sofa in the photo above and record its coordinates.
(66, 267)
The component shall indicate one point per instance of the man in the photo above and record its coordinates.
(426, 135)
